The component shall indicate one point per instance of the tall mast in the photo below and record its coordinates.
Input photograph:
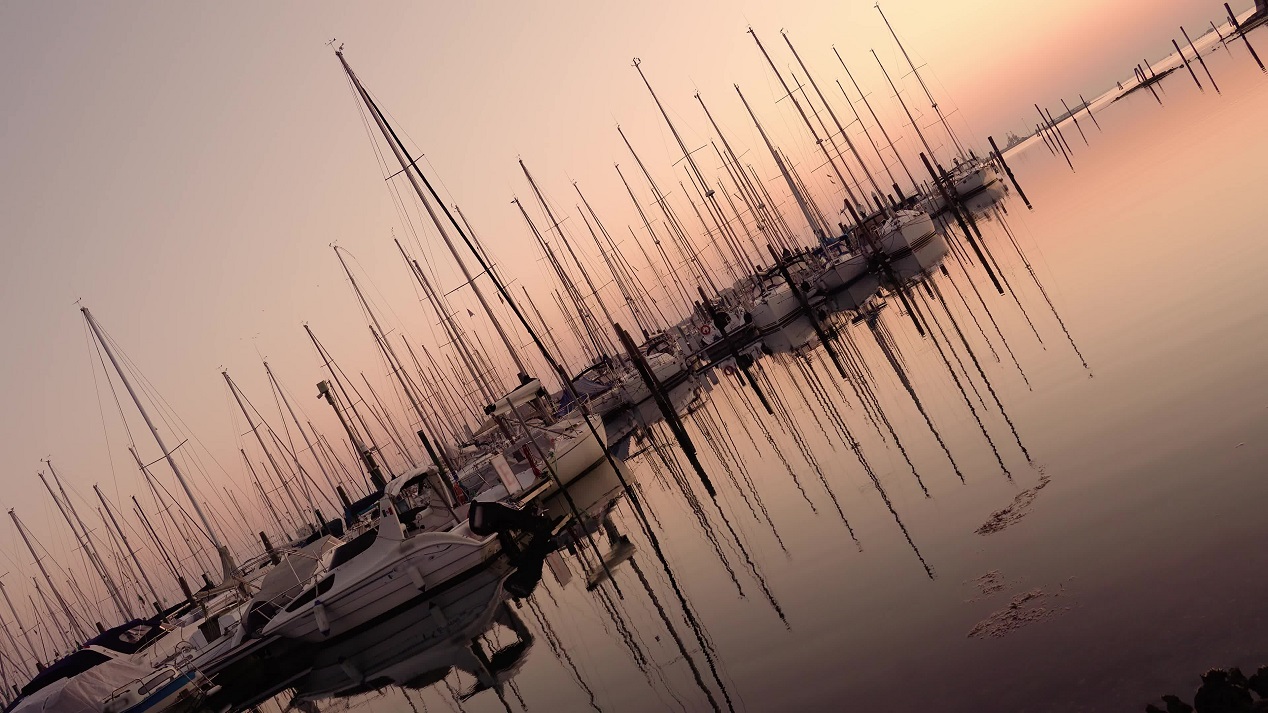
(762, 225)
(407, 162)
(330, 365)
(893, 147)
(585, 274)
(783, 170)
(587, 319)
(61, 601)
(689, 253)
(541, 347)
(631, 288)
(898, 95)
(832, 114)
(395, 363)
(934, 104)
(456, 335)
(660, 249)
(127, 546)
(226, 559)
(233, 389)
(303, 434)
(81, 535)
(813, 134)
(711, 200)
(26, 634)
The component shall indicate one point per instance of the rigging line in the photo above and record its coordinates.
(105, 431)
(165, 409)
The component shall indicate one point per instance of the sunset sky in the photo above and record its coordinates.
(183, 168)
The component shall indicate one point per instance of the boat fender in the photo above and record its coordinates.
(323, 621)
(748, 317)
(416, 577)
(944, 270)
(729, 370)
(767, 350)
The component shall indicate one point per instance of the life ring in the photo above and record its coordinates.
(706, 330)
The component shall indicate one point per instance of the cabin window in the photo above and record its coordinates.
(313, 592)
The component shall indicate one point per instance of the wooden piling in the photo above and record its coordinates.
(1009, 172)
(968, 234)
(1198, 56)
(1056, 126)
(1075, 119)
(1237, 26)
(1045, 121)
(804, 301)
(268, 547)
(666, 408)
(1088, 108)
(1186, 64)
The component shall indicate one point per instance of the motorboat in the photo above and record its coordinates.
(393, 564)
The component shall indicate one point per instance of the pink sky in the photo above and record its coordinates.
(184, 168)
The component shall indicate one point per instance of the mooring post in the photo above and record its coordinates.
(1009, 172)
(1040, 134)
(1198, 56)
(1055, 138)
(968, 234)
(1060, 134)
(666, 409)
(1237, 26)
(1186, 64)
(1088, 108)
(1217, 32)
(268, 547)
(1075, 119)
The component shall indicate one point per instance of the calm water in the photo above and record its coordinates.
(1143, 548)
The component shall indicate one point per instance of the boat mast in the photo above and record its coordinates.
(456, 335)
(898, 95)
(633, 291)
(762, 225)
(959, 149)
(915, 185)
(685, 246)
(832, 114)
(802, 112)
(407, 162)
(81, 535)
(26, 634)
(660, 248)
(303, 434)
(715, 211)
(783, 170)
(61, 601)
(585, 274)
(226, 559)
(384, 344)
(233, 389)
(128, 546)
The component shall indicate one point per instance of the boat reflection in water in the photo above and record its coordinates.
(422, 644)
